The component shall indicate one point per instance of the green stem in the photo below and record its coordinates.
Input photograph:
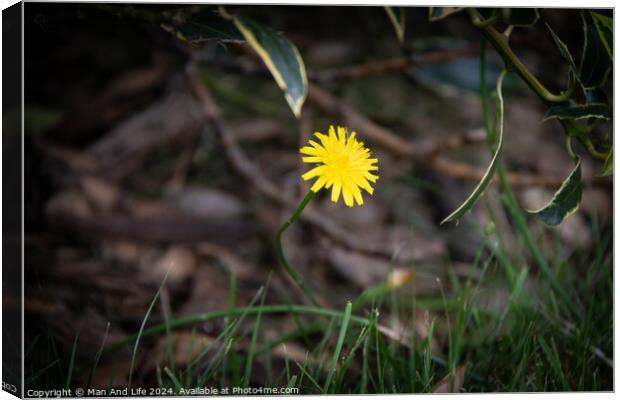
(252, 310)
(569, 148)
(483, 23)
(291, 271)
(500, 43)
(484, 95)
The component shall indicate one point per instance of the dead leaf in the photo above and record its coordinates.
(207, 203)
(178, 261)
(363, 270)
(234, 263)
(103, 195)
(123, 251)
(257, 130)
(69, 202)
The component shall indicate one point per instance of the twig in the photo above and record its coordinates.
(331, 105)
(426, 154)
(159, 230)
(392, 65)
(467, 172)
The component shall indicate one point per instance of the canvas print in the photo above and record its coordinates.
(229, 199)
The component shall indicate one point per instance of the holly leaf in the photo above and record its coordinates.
(571, 110)
(574, 71)
(281, 58)
(595, 62)
(608, 166)
(398, 22)
(605, 27)
(565, 201)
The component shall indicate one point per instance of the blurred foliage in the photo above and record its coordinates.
(578, 107)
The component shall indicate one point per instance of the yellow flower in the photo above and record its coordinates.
(344, 165)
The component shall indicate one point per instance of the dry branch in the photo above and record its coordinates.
(426, 153)
(393, 65)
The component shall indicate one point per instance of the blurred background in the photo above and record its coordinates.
(126, 178)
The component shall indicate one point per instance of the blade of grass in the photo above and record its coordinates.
(160, 381)
(190, 351)
(321, 348)
(230, 329)
(427, 371)
(140, 332)
(39, 373)
(248, 364)
(250, 310)
(165, 307)
(97, 356)
(291, 382)
(286, 363)
(174, 379)
(341, 337)
(72, 361)
(554, 359)
(305, 373)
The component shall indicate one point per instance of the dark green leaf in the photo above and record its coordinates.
(608, 166)
(563, 49)
(565, 201)
(281, 58)
(203, 27)
(571, 62)
(605, 28)
(578, 111)
(520, 16)
(595, 63)
(437, 13)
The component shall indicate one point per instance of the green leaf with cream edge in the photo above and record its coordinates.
(565, 201)
(490, 172)
(605, 28)
(281, 58)
(608, 166)
(437, 13)
(398, 22)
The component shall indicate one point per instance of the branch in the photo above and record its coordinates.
(331, 105)
(467, 172)
(392, 65)
(426, 153)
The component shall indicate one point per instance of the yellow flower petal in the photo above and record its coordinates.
(314, 172)
(336, 191)
(342, 163)
(318, 184)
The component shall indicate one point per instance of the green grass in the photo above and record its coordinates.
(534, 341)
